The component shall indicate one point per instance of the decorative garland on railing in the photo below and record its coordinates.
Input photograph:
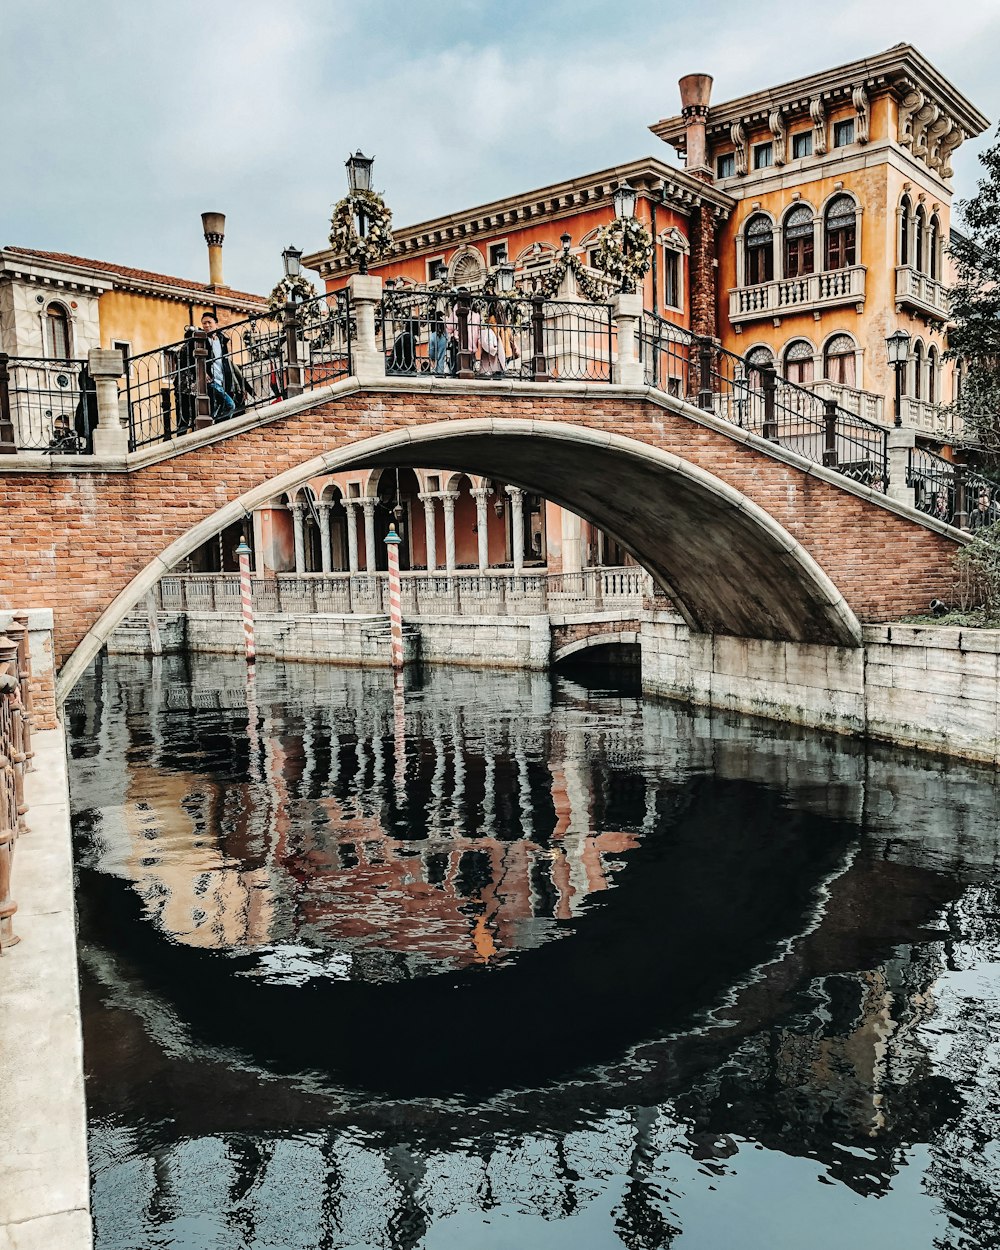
(344, 237)
(290, 291)
(586, 284)
(624, 249)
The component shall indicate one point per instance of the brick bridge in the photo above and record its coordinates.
(746, 537)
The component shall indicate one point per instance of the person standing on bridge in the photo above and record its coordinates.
(220, 374)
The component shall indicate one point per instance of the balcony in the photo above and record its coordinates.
(929, 418)
(927, 296)
(829, 289)
(863, 403)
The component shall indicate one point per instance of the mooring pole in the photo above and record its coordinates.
(392, 541)
(246, 597)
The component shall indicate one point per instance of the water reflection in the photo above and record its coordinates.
(493, 961)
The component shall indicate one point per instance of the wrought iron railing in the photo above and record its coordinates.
(15, 759)
(468, 334)
(757, 399)
(50, 404)
(954, 493)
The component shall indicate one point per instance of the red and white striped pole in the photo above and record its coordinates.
(392, 541)
(246, 597)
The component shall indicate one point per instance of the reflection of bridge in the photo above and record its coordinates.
(732, 514)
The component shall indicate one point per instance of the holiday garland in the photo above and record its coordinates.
(624, 249)
(344, 237)
(290, 291)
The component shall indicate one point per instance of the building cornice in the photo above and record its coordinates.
(652, 178)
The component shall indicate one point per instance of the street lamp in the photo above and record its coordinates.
(505, 278)
(624, 198)
(359, 172)
(291, 258)
(897, 345)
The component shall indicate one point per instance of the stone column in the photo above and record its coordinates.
(900, 443)
(350, 507)
(430, 531)
(298, 521)
(448, 499)
(324, 536)
(111, 436)
(366, 356)
(480, 494)
(516, 527)
(627, 365)
(368, 507)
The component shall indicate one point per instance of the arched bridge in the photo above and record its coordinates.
(747, 536)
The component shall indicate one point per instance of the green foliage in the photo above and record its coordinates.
(978, 566)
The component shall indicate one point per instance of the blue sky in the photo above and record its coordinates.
(124, 119)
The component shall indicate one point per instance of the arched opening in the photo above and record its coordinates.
(759, 250)
(918, 370)
(756, 359)
(934, 247)
(335, 515)
(312, 543)
(919, 226)
(798, 255)
(905, 209)
(799, 366)
(839, 360)
(57, 335)
(841, 232)
(932, 375)
(397, 487)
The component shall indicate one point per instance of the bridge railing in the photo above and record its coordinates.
(464, 334)
(15, 758)
(47, 405)
(951, 492)
(755, 398)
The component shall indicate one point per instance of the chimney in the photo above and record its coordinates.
(696, 91)
(214, 225)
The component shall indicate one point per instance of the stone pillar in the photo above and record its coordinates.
(367, 358)
(214, 226)
(350, 507)
(298, 521)
(324, 536)
(696, 91)
(448, 499)
(481, 494)
(430, 530)
(110, 437)
(900, 443)
(627, 365)
(368, 507)
(516, 527)
(702, 273)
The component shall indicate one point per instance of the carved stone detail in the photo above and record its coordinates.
(911, 104)
(739, 137)
(859, 97)
(818, 114)
(776, 122)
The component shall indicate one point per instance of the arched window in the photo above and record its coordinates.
(841, 232)
(799, 242)
(756, 358)
(935, 246)
(759, 250)
(57, 332)
(932, 370)
(905, 208)
(918, 370)
(918, 230)
(838, 360)
(799, 362)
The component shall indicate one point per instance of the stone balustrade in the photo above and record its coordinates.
(922, 294)
(811, 291)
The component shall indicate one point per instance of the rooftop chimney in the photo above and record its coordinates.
(696, 91)
(214, 225)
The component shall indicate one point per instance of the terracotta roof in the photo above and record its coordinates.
(136, 275)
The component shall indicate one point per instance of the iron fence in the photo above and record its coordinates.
(955, 493)
(48, 405)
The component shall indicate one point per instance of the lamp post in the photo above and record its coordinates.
(359, 178)
(505, 278)
(897, 346)
(623, 199)
(291, 258)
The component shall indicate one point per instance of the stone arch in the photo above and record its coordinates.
(620, 637)
(728, 566)
(467, 267)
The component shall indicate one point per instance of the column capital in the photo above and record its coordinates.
(481, 493)
(515, 492)
(428, 496)
(326, 504)
(448, 499)
(367, 503)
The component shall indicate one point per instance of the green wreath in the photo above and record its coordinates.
(624, 250)
(344, 237)
(290, 291)
(585, 283)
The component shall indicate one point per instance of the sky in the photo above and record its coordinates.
(125, 119)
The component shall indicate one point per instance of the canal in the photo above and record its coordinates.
(512, 961)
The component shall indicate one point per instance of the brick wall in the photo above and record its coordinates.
(703, 272)
(72, 541)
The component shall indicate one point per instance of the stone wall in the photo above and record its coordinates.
(933, 688)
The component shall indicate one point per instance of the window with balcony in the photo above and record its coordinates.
(802, 144)
(839, 360)
(671, 278)
(841, 232)
(725, 165)
(843, 133)
(799, 362)
(57, 332)
(798, 232)
(763, 156)
(759, 250)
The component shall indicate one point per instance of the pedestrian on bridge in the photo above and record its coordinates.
(220, 373)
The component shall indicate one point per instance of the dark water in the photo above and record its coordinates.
(506, 963)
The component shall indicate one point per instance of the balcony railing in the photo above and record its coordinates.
(788, 295)
(929, 418)
(863, 403)
(923, 294)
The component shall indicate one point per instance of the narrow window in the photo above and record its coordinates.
(904, 230)
(123, 346)
(498, 254)
(759, 250)
(932, 376)
(436, 269)
(57, 332)
(919, 224)
(725, 165)
(756, 358)
(799, 363)
(843, 133)
(799, 242)
(763, 156)
(918, 371)
(934, 247)
(841, 232)
(671, 278)
(802, 144)
(838, 360)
